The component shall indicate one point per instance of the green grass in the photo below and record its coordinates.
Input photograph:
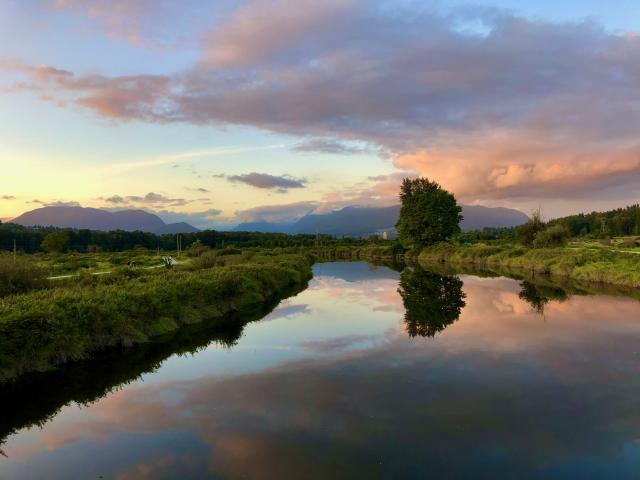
(579, 261)
(380, 251)
(74, 318)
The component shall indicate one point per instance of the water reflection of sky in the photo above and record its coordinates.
(329, 385)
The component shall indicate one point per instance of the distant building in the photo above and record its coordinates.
(385, 235)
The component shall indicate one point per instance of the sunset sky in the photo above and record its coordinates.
(220, 112)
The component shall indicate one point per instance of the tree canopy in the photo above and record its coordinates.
(429, 214)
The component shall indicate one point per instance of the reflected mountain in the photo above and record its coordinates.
(357, 271)
(432, 302)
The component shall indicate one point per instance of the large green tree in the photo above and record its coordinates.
(429, 214)
(55, 242)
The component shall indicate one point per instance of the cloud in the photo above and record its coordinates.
(152, 23)
(150, 198)
(264, 180)
(197, 189)
(60, 203)
(7, 197)
(330, 146)
(505, 110)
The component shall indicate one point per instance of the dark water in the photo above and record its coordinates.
(366, 374)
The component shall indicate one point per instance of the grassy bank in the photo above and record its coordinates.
(44, 328)
(385, 251)
(579, 262)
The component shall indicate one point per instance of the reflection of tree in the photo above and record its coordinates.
(431, 301)
(539, 295)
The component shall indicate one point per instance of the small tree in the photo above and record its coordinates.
(554, 236)
(55, 242)
(527, 232)
(429, 214)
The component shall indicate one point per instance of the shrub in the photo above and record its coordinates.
(196, 249)
(18, 275)
(555, 236)
(527, 232)
(230, 250)
(207, 259)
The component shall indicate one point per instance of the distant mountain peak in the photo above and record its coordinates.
(98, 219)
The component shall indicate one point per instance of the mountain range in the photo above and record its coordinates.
(349, 221)
(97, 219)
(358, 221)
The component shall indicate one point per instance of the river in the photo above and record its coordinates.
(368, 373)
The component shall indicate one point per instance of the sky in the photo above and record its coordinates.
(221, 112)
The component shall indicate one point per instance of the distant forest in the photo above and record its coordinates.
(29, 239)
(613, 223)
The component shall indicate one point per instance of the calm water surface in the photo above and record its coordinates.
(368, 373)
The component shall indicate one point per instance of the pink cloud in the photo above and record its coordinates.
(528, 109)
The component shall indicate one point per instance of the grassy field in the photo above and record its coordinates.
(613, 263)
(48, 322)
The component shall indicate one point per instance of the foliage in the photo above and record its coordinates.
(429, 214)
(196, 249)
(29, 239)
(618, 222)
(585, 263)
(208, 259)
(55, 242)
(527, 232)
(19, 274)
(554, 236)
(503, 234)
(40, 329)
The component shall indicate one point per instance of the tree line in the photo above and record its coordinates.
(36, 239)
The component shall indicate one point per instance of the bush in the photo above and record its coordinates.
(196, 249)
(230, 250)
(556, 236)
(527, 232)
(19, 275)
(207, 260)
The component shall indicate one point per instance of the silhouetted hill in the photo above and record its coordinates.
(358, 221)
(97, 219)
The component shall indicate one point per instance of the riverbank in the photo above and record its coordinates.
(593, 265)
(43, 329)
(386, 251)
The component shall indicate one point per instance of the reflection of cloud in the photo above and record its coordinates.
(287, 309)
(336, 344)
(499, 389)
